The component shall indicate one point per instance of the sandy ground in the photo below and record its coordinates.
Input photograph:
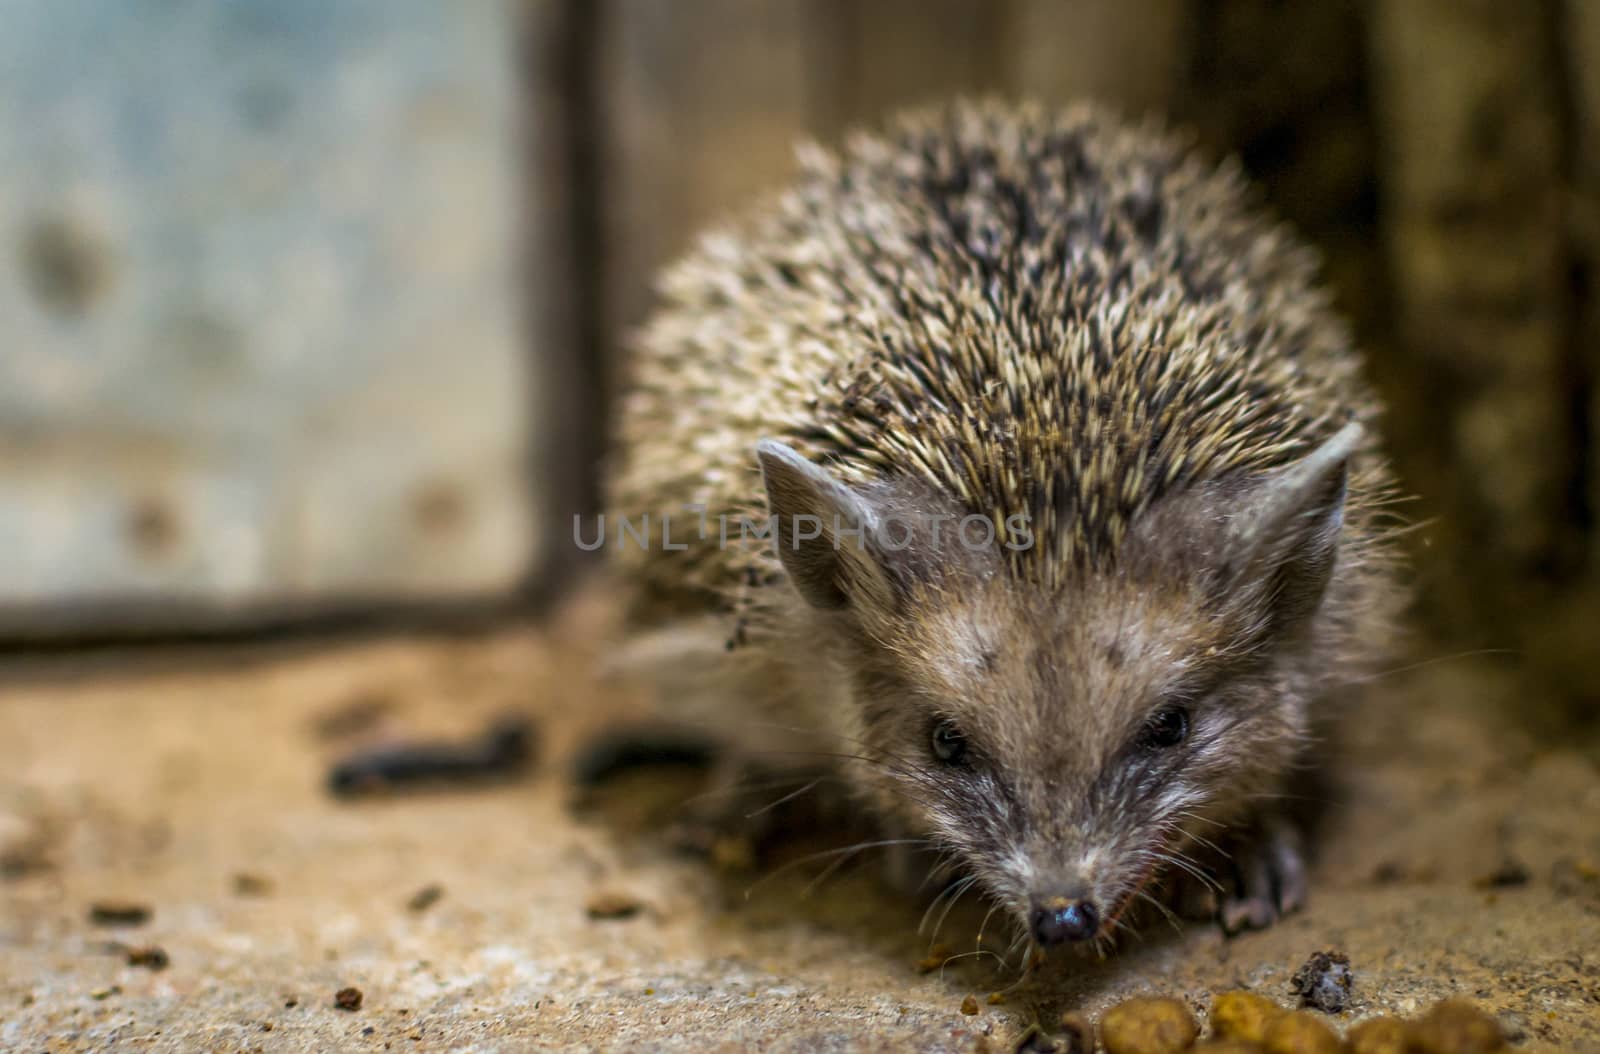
(194, 785)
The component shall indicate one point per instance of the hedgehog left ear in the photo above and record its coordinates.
(825, 533)
(1283, 539)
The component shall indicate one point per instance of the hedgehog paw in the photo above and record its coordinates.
(1265, 880)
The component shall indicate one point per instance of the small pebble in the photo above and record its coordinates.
(1148, 1026)
(1324, 982)
(1378, 1035)
(105, 993)
(348, 999)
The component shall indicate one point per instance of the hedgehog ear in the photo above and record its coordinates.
(1284, 537)
(824, 533)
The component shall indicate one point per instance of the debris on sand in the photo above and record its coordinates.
(969, 1006)
(1509, 875)
(348, 998)
(425, 898)
(249, 885)
(1324, 982)
(149, 956)
(119, 913)
(611, 904)
(355, 715)
(499, 754)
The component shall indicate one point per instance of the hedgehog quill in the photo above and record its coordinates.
(1080, 339)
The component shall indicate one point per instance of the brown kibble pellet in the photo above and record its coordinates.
(1243, 1015)
(1148, 1026)
(969, 1006)
(1378, 1035)
(937, 956)
(1455, 1026)
(996, 999)
(1300, 1033)
(1228, 1046)
(348, 999)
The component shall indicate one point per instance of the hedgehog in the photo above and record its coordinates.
(1011, 470)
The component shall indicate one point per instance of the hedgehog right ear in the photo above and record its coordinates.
(824, 533)
(1285, 537)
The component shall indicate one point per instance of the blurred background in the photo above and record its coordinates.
(311, 312)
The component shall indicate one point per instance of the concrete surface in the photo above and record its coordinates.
(193, 785)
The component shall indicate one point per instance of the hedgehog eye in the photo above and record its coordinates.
(949, 745)
(1167, 728)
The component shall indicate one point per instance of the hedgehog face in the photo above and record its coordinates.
(1066, 747)
(1068, 744)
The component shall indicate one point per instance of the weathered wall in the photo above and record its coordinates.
(258, 339)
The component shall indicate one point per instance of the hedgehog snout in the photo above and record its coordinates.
(1059, 920)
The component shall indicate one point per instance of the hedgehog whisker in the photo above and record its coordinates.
(791, 796)
(949, 890)
(858, 847)
(1155, 902)
(965, 886)
(964, 955)
(1435, 661)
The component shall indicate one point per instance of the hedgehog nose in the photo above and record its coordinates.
(1060, 920)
